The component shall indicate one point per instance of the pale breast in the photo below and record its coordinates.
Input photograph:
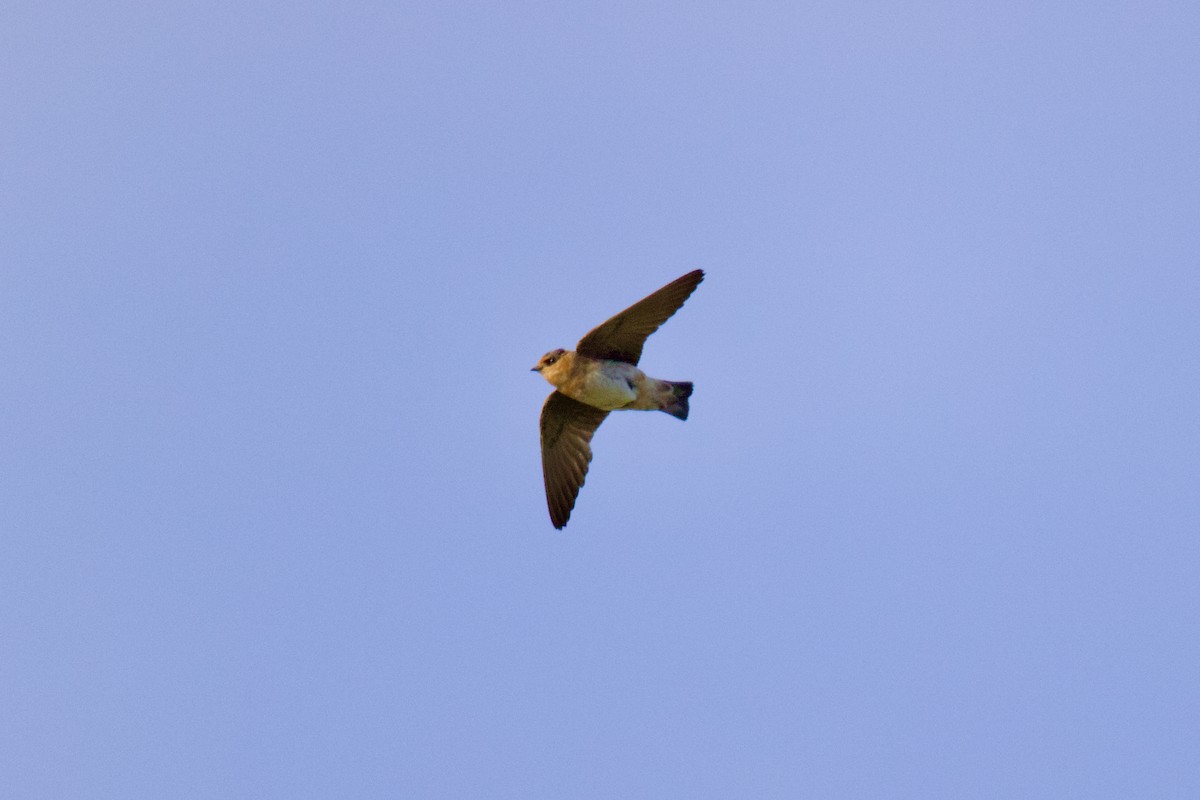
(609, 385)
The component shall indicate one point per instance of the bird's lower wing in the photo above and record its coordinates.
(567, 427)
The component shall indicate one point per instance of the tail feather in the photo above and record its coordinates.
(677, 404)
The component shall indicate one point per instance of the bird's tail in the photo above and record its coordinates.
(675, 399)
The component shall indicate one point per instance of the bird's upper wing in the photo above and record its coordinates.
(621, 338)
(567, 428)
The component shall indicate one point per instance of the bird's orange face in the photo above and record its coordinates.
(549, 360)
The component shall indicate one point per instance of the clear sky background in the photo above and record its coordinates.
(272, 277)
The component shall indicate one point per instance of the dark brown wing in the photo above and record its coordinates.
(621, 338)
(567, 428)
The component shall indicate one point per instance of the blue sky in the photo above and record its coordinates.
(273, 276)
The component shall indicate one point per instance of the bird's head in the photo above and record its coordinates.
(554, 364)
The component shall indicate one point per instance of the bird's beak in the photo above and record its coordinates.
(536, 369)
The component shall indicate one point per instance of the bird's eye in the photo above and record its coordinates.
(551, 359)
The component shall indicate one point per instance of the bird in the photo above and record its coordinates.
(601, 375)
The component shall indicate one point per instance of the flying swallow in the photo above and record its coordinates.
(600, 376)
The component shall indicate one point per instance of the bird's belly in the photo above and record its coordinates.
(610, 387)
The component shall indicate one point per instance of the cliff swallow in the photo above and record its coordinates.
(600, 376)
